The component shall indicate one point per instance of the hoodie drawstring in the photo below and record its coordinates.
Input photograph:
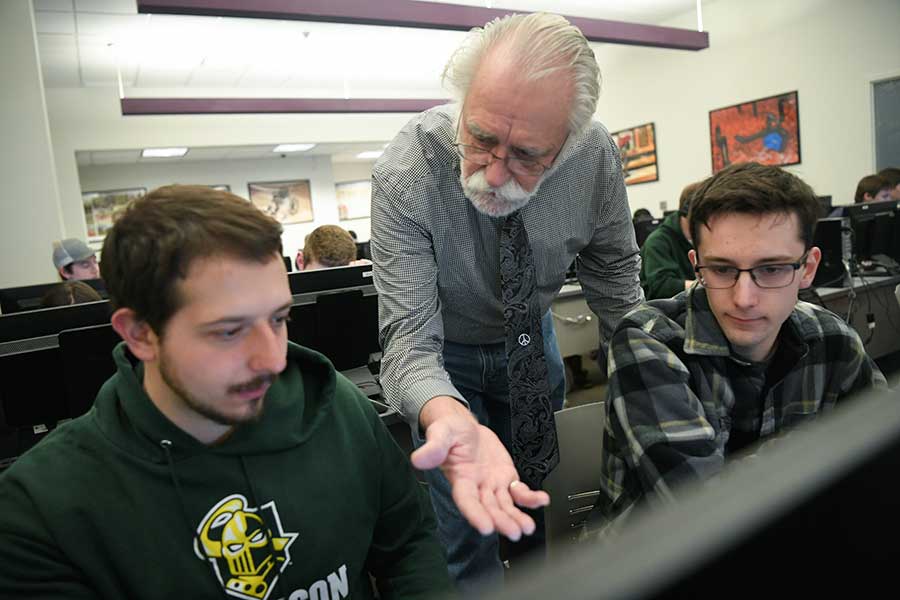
(167, 448)
(262, 515)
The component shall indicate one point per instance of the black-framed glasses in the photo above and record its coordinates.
(777, 275)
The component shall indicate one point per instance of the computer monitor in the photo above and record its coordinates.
(825, 206)
(643, 229)
(873, 227)
(288, 264)
(812, 516)
(28, 297)
(342, 325)
(833, 239)
(364, 250)
(31, 387)
(86, 355)
(50, 321)
(318, 280)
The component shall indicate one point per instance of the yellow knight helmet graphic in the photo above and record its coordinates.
(245, 554)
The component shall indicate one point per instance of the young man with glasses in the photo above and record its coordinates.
(519, 145)
(702, 377)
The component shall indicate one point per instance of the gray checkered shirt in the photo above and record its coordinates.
(436, 258)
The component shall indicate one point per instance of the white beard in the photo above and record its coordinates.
(496, 201)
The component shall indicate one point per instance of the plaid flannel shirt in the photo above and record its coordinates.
(678, 398)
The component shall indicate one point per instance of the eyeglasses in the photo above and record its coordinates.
(483, 157)
(772, 276)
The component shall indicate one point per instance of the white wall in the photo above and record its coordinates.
(29, 200)
(827, 50)
(357, 171)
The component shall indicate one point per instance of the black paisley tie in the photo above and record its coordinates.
(534, 447)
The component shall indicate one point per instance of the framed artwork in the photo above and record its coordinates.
(766, 131)
(637, 149)
(103, 208)
(354, 199)
(287, 201)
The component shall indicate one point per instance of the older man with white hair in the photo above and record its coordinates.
(478, 209)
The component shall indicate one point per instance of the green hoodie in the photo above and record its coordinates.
(665, 265)
(120, 503)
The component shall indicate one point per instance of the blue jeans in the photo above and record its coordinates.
(479, 373)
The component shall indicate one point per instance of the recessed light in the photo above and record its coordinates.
(293, 147)
(370, 154)
(163, 152)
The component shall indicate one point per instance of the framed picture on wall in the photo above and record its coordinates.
(637, 149)
(287, 201)
(103, 208)
(354, 199)
(766, 131)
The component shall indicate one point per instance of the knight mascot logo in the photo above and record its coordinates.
(246, 555)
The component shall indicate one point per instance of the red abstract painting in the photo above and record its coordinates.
(766, 131)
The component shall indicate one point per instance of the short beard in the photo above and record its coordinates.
(496, 201)
(207, 410)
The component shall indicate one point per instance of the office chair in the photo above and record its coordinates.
(574, 484)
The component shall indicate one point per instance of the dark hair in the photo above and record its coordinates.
(870, 184)
(752, 188)
(684, 202)
(641, 214)
(891, 175)
(152, 245)
(329, 245)
(70, 292)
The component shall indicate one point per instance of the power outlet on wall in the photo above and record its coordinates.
(663, 205)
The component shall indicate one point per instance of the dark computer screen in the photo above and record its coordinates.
(817, 512)
(363, 250)
(318, 280)
(50, 321)
(829, 238)
(873, 227)
(643, 229)
(18, 299)
(825, 206)
(343, 326)
(86, 354)
(31, 387)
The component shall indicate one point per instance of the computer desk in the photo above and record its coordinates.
(874, 295)
(577, 329)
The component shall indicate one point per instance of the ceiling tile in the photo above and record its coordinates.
(54, 22)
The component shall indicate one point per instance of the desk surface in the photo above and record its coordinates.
(867, 282)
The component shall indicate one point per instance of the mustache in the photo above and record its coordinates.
(253, 384)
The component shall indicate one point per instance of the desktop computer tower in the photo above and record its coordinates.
(834, 238)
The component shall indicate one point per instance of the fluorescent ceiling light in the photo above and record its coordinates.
(163, 152)
(370, 154)
(293, 147)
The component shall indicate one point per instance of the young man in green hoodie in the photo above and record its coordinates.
(220, 460)
(665, 268)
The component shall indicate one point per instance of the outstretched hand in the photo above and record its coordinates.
(481, 473)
